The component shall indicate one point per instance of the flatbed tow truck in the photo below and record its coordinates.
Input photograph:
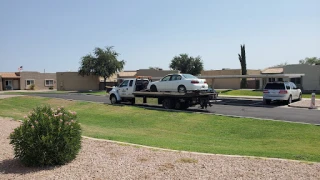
(131, 88)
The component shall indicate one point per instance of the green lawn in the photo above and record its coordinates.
(32, 92)
(184, 131)
(252, 93)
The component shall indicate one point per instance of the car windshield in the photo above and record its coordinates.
(275, 86)
(189, 76)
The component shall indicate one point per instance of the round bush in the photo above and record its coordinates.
(47, 136)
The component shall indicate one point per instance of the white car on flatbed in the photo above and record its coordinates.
(131, 88)
(178, 83)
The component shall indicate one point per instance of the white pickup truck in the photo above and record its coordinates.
(131, 88)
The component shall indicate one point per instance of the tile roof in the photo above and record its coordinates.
(272, 71)
(9, 75)
(127, 73)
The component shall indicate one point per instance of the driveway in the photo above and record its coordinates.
(235, 107)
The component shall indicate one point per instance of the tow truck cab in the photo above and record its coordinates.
(124, 91)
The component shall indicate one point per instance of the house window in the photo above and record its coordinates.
(49, 82)
(296, 80)
(8, 83)
(29, 82)
(272, 79)
(280, 79)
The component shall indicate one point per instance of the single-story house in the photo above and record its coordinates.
(23, 80)
(228, 78)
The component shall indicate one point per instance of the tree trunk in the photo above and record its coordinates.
(242, 59)
(105, 82)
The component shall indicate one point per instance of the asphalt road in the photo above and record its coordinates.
(228, 106)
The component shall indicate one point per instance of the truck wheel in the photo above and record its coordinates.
(113, 99)
(181, 105)
(133, 101)
(167, 103)
(153, 88)
(182, 89)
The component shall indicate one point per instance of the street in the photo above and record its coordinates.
(227, 106)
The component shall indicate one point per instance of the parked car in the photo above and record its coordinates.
(281, 91)
(178, 83)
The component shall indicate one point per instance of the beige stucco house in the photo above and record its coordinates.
(23, 80)
(72, 81)
(311, 79)
(220, 80)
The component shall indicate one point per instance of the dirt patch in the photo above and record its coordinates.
(107, 160)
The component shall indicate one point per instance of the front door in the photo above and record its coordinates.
(123, 87)
(8, 85)
(174, 82)
(130, 89)
(162, 85)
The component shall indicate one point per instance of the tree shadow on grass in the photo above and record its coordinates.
(14, 166)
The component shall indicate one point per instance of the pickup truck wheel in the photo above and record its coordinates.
(153, 88)
(113, 99)
(300, 97)
(133, 101)
(182, 89)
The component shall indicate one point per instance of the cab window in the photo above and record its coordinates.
(131, 82)
(124, 83)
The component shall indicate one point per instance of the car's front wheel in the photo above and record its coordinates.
(153, 88)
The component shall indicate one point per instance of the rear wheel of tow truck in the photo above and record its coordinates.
(167, 103)
(182, 89)
(181, 105)
(153, 88)
(113, 99)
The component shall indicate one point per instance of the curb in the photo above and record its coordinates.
(198, 153)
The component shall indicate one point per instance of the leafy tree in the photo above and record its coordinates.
(243, 63)
(280, 65)
(187, 64)
(103, 63)
(310, 61)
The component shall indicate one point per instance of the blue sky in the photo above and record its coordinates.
(54, 35)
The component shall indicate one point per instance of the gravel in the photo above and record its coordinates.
(110, 160)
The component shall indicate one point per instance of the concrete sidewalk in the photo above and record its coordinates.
(305, 103)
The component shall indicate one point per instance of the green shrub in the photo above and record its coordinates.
(47, 136)
(32, 86)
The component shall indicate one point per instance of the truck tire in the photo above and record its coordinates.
(133, 101)
(168, 103)
(181, 105)
(113, 99)
(153, 88)
(182, 89)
